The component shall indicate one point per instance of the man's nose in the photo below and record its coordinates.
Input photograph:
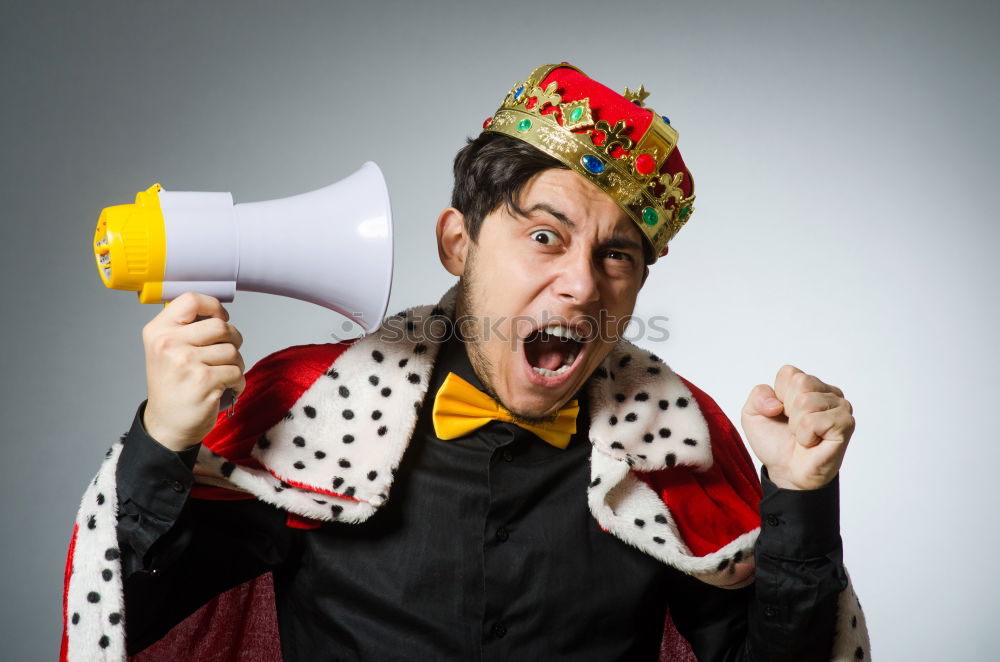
(577, 282)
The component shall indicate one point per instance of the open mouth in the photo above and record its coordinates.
(552, 351)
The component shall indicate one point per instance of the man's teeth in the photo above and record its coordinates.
(552, 373)
(561, 331)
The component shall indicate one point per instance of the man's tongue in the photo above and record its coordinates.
(549, 352)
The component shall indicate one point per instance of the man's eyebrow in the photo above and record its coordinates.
(621, 242)
(548, 209)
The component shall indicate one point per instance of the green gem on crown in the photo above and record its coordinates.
(524, 125)
(576, 114)
(685, 212)
(649, 216)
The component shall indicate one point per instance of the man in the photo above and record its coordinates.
(497, 477)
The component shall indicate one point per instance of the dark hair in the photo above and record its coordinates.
(492, 170)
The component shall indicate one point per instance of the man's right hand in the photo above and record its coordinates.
(192, 357)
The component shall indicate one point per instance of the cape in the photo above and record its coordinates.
(697, 485)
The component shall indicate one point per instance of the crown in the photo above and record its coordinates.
(613, 140)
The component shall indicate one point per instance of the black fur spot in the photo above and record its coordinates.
(653, 370)
(289, 415)
(595, 482)
(648, 438)
(654, 357)
(348, 414)
(332, 374)
(93, 597)
(664, 432)
(670, 459)
(601, 373)
(91, 522)
(403, 362)
(372, 475)
(114, 618)
(386, 391)
(227, 469)
(319, 455)
(344, 392)
(413, 378)
(658, 540)
(76, 618)
(263, 443)
(106, 575)
(349, 492)
(348, 438)
(376, 415)
(660, 519)
(617, 445)
(682, 402)
(624, 361)
(112, 554)
(641, 457)
(854, 621)
(299, 465)
(640, 523)
(420, 349)
(299, 441)
(859, 653)
(378, 356)
(104, 642)
(690, 442)
(664, 404)
(100, 499)
(336, 510)
(723, 564)
(309, 411)
(337, 482)
(620, 397)
(613, 420)
(382, 430)
(373, 380)
(631, 417)
(345, 463)
(642, 396)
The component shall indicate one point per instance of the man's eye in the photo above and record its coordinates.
(545, 236)
(618, 255)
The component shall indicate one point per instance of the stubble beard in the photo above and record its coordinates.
(472, 339)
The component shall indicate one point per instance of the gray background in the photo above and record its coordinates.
(846, 163)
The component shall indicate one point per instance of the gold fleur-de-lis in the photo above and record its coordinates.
(545, 97)
(673, 189)
(637, 96)
(613, 135)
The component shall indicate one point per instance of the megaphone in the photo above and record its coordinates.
(331, 246)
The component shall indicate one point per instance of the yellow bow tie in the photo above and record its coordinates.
(460, 408)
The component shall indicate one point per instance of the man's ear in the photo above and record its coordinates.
(453, 241)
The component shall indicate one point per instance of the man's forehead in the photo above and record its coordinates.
(574, 201)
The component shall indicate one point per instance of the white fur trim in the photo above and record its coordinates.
(94, 596)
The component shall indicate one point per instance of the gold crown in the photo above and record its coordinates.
(628, 170)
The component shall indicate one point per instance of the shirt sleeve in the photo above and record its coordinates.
(178, 552)
(789, 613)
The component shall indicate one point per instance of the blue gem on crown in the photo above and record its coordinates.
(592, 164)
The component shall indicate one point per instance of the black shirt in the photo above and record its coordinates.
(486, 550)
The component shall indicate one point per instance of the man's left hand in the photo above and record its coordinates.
(799, 429)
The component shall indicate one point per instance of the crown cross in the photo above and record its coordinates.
(613, 136)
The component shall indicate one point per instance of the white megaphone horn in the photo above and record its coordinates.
(331, 246)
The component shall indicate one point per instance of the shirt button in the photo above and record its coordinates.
(770, 612)
(503, 534)
(176, 486)
(154, 572)
(499, 631)
(772, 520)
(508, 455)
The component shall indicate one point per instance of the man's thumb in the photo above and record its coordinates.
(763, 402)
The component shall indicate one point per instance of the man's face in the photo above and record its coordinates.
(545, 295)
